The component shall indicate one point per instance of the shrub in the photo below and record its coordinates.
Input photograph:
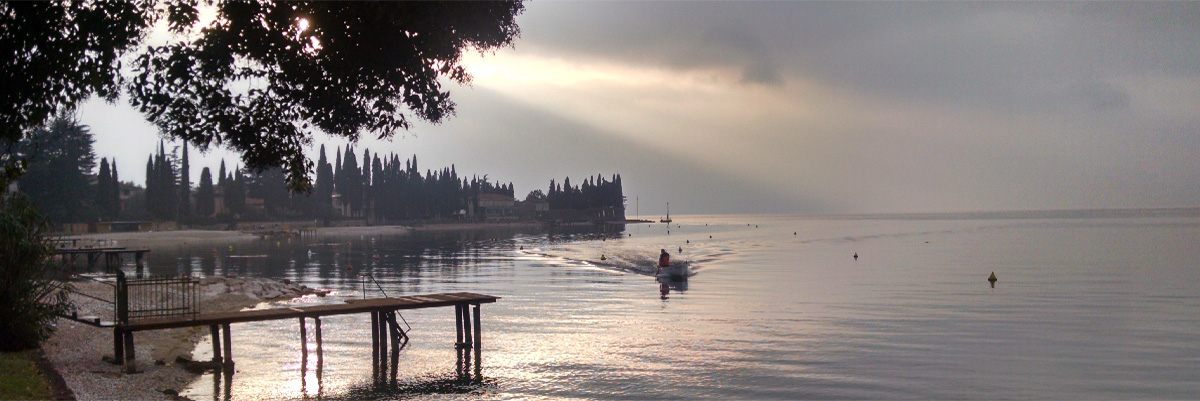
(31, 294)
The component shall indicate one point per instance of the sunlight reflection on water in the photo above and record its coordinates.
(770, 315)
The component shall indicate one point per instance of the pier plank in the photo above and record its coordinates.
(351, 306)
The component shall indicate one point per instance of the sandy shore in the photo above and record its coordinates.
(77, 350)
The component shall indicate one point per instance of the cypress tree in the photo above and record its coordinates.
(151, 185)
(103, 183)
(114, 197)
(205, 198)
(323, 192)
(185, 187)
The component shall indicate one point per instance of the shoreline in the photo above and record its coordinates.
(156, 239)
(78, 351)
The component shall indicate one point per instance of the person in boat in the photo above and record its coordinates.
(664, 259)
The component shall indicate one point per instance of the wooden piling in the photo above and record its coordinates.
(318, 334)
(216, 342)
(303, 343)
(468, 337)
(228, 347)
(130, 357)
(118, 346)
(393, 329)
(375, 344)
(477, 342)
(383, 342)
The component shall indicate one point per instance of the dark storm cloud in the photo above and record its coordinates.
(986, 53)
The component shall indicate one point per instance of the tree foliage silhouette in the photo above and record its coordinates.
(262, 78)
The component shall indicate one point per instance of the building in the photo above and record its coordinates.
(493, 207)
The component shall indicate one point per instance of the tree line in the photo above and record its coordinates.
(594, 193)
(383, 186)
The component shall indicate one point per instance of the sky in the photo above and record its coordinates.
(815, 107)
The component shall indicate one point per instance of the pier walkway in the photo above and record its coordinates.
(383, 325)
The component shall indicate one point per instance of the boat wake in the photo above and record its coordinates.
(632, 262)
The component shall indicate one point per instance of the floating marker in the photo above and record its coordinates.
(602, 257)
(992, 278)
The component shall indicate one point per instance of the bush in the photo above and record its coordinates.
(31, 297)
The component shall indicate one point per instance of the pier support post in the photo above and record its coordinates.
(393, 328)
(228, 347)
(477, 342)
(383, 341)
(318, 334)
(303, 343)
(118, 346)
(130, 356)
(468, 337)
(216, 343)
(458, 342)
(375, 345)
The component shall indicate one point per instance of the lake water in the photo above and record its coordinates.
(1089, 305)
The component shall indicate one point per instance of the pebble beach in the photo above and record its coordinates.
(78, 351)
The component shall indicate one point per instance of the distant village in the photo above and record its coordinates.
(375, 189)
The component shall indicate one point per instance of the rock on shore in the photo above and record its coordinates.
(76, 350)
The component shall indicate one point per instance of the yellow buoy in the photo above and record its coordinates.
(992, 278)
(603, 258)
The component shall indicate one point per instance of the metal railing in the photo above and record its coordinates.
(366, 276)
(157, 297)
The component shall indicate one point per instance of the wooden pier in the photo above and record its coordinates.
(112, 255)
(383, 325)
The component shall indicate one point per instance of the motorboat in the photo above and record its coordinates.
(677, 270)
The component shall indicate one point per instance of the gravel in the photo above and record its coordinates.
(77, 350)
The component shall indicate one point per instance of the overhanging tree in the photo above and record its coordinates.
(262, 78)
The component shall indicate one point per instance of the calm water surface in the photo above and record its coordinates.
(1088, 306)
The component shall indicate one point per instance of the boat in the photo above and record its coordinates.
(677, 271)
(668, 219)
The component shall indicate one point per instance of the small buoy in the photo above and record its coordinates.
(522, 247)
(992, 278)
(231, 248)
(793, 233)
(276, 244)
(681, 249)
(710, 237)
(603, 258)
(377, 257)
(630, 234)
(349, 267)
(689, 241)
(214, 251)
(856, 256)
